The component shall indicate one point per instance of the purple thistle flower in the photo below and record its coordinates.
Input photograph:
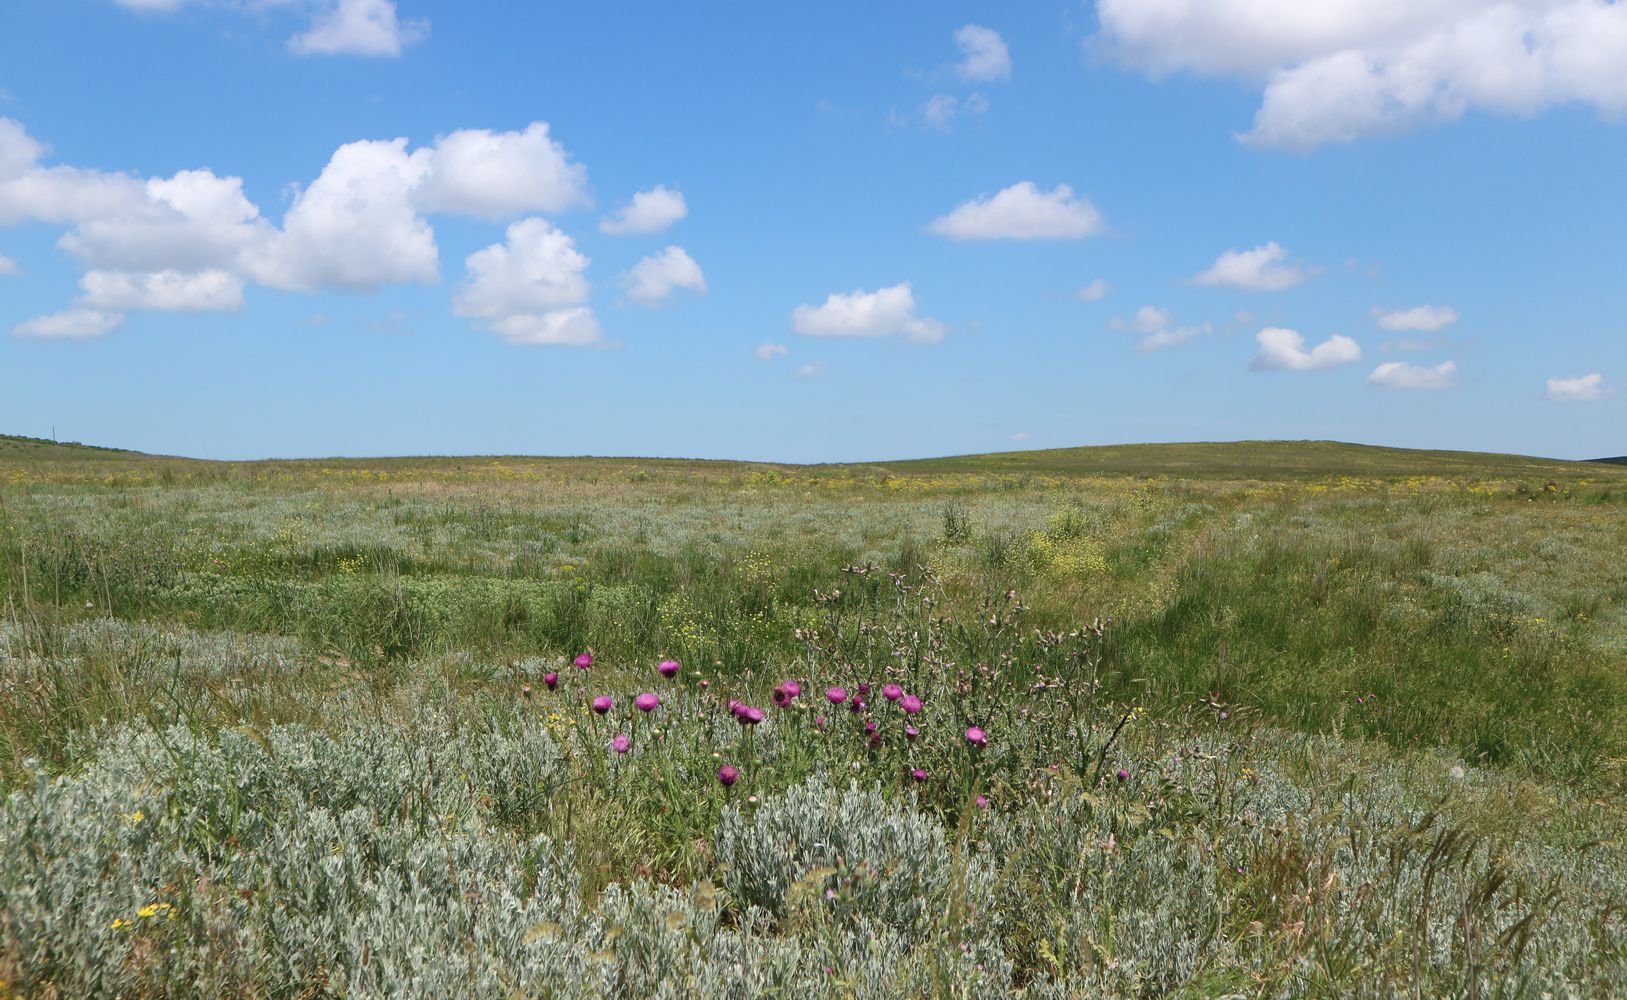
(647, 702)
(856, 705)
(1123, 775)
(911, 733)
(819, 722)
(835, 695)
(602, 704)
(982, 801)
(667, 668)
(584, 660)
(727, 775)
(620, 743)
(749, 716)
(551, 679)
(871, 727)
(919, 774)
(892, 692)
(911, 705)
(864, 689)
(976, 737)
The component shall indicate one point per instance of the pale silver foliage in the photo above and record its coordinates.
(392, 852)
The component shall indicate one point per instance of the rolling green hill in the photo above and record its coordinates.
(1253, 460)
(1230, 460)
(13, 446)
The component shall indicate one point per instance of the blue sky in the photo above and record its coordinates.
(862, 231)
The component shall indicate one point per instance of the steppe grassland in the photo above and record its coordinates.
(1299, 656)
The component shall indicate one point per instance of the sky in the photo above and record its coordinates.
(807, 233)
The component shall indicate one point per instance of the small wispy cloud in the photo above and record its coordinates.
(1022, 212)
(359, 28)
(1582, 389)
(881, 313)
(649, 212)
(1400, 375)
(1283, 350)
(1427, 318)
(71, 324)
(984, 55)
(1156, 330)
(1095, 291)
(1262, 269)
(941, 110)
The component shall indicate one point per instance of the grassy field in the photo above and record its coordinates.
(1257, 719)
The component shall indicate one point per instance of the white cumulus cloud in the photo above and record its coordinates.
(172, 291)
(653, 279)
(535, 269)
(359, 225)
(8, 267)
(649, 212)
(499, 175)
(1284, 350)
(358, 28)
(191, 241)
(1260, 270)
(768, 352)
(1582, 389)
(1338, 70)
(71, 324)
(530, 288)
(880, 313)
(1022, 212)
(812, 370)
(984, 55)
(30, 191)
(355, 226)
(1426, 317)
(1400, 375)
(191, 221)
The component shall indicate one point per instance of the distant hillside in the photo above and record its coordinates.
(1265, 460)
(1611, 461)
(18, 446)
(1231, 460)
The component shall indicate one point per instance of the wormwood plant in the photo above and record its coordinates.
(1032, 838)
